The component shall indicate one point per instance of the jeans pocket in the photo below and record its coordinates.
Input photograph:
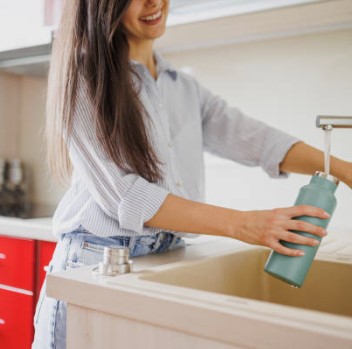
(91, 254)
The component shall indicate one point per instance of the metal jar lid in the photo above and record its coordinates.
(116, 255)
(115, 262)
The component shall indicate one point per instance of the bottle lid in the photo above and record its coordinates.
(327, 176)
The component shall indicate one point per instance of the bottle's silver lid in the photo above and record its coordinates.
(327, 176)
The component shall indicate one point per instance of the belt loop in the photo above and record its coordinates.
(132, 243)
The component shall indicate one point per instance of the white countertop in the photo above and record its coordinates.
(33, 228)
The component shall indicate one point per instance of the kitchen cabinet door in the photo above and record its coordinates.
(17, 262)
(16, 319)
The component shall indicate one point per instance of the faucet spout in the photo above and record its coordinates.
(329, 122)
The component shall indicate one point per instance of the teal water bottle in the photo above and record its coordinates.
(319, 193)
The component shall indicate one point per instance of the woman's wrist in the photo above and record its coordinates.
(235, 224)
(342, 170)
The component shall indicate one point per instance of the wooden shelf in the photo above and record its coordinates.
(33, 60)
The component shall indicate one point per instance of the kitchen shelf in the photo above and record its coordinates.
(32, 60)
(185, 11)
(296, 19)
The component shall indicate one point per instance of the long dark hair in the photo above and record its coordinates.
(92, 45)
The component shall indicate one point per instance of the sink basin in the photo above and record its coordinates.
(328, 287)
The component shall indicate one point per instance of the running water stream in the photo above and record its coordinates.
(327, 148)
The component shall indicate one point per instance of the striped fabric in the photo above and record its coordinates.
(186, 119)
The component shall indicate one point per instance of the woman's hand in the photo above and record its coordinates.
(268, 227)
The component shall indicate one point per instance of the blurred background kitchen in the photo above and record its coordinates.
(283, 62)
(280, 61)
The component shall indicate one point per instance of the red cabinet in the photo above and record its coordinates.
(22, 263)
(17, 279)
(17, 258)
(16, 319)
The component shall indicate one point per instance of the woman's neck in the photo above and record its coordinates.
(143, 53)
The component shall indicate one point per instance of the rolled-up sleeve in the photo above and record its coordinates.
(126, 197)
(230, 134)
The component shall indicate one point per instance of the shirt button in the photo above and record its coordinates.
(179, 184)
(169, 144)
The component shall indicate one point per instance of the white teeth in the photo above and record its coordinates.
(152, 17)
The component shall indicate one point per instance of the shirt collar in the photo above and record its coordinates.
(162, 65)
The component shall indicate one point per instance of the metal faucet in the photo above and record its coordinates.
(329, 122)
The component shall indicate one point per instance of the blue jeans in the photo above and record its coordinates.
(77, 249)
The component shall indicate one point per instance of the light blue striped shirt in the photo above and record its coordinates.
(187, 119)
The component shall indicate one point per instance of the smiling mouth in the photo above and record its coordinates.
(152, 17)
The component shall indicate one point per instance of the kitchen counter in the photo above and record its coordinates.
(130, 310)
(33, 228)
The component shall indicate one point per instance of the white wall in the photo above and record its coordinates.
(31, 146)
(22, 23)
(22, 116)
(286, 83)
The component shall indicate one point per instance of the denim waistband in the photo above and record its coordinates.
(154, 241)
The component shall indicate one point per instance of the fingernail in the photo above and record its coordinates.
(324, 233)
(301, 253)
(315, 242)
(326, 215)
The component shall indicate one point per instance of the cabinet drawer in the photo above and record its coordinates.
(16, 320)
(17, 258)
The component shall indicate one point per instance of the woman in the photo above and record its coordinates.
(134, 130)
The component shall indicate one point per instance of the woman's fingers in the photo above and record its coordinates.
(299, 239)
(268, 228)
(306, 210)
(276, 246)
(306, 227)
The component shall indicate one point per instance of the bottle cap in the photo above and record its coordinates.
(327, 176)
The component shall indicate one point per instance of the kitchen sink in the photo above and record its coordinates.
(213, 294)
(328, 287)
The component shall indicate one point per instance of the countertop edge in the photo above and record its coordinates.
(35, 229)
